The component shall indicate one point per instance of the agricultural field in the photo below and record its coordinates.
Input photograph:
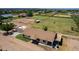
(56, 24)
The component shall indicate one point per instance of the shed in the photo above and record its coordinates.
(22, 15)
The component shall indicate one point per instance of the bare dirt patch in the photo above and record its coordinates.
(23, 21)
(13, 44)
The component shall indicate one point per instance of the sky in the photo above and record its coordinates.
(39, 3)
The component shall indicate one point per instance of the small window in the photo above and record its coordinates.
(44, 41)
(49, 43)
(38, 39)
(35, 42)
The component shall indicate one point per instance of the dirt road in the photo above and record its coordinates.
(12, 44)
(71, 45)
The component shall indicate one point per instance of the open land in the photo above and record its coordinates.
(54, 24)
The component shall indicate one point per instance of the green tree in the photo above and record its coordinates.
(7, 27)
(1, 19)
(29, 13)
(76, 19)
(45, 28)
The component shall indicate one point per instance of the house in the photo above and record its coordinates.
(43, 37)
(22, 15)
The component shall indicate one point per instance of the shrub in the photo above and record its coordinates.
(45, 28)
(23, 37)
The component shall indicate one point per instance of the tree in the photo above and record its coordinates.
(76, 19)
(29, 13)
(45, 28)
(1, 19)
(7, 27)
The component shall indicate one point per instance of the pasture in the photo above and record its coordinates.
(56, 24)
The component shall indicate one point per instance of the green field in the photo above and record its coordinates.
(56, 24)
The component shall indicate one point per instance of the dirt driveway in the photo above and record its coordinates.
(12, 44)
(73, 44)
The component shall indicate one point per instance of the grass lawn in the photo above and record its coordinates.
(24, 38)
(56, 24)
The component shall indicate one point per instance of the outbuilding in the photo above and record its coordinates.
(44, 37)
(22, 15)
